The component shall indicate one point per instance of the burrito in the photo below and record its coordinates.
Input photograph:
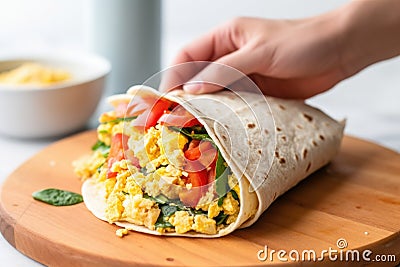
(200, 165)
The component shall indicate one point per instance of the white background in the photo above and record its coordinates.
(369, 100)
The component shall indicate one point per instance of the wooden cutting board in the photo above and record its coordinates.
(356, 198)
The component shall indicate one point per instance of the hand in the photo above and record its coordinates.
(287, 58)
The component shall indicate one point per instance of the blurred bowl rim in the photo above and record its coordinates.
(102, 65)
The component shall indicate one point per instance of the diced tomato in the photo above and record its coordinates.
(195, 151)
(131, 157)
(119, 144)
(151, 115)
(199, 181)
(199, 178)
(194, 143)
(179, 117)
(208, 157)
(110, 162)
(199, 157)
(212, 172)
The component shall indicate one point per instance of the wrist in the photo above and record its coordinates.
(369, 31)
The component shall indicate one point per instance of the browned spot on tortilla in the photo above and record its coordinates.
(239, 154)
(251, 125)
(266, 131)
(250, 143)
(282, 107)
(299, 126)
(278, 129)
(358, 207)
(226, 126)
(308, 166)
(282, 160)
(283, 138)
(308, 117)
(314, 143)
(296, 156)
(259, 151)
(277, 154)
(305, 153)
(224, 137)
(170, 259)
(321, 137)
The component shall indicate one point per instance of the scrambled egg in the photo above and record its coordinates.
(88, 166)
(108, 127)
(183, 223)
(159, 147)
(34, 74)
(125, 199)
(140, 211)
(160, 151)
(121, 232)
(205, 225)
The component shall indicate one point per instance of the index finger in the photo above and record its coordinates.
(209, 47)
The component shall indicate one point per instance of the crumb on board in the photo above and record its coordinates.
(121, 232)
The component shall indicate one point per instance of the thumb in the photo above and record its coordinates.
(222, 72)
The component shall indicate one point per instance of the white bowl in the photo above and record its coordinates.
(54, 110)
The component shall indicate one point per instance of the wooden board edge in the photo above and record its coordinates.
(7, 224)
(369, 141)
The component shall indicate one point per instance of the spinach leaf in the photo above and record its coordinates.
(117, 120)
(163, 224)
(168, 210)
(234, 195)
(220, 201)
(221, 176)
(160, 199)
(189, 132)
(102, 147)
(57, 197)
(221, 218)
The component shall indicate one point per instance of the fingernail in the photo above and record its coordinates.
(192, 87)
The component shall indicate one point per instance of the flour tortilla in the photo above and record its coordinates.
(269, 148)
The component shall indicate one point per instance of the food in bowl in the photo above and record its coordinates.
(32, 73)
(57, 109)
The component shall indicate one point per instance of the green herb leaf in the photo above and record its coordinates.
(163, 224)
(221, 176)
(102, 147)
(168, 210)
(234, 195)
(57, 197)
(117, 120)
(221, 218)
(189, 132)
(103, 131)
(160, 199)
(220, 201)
